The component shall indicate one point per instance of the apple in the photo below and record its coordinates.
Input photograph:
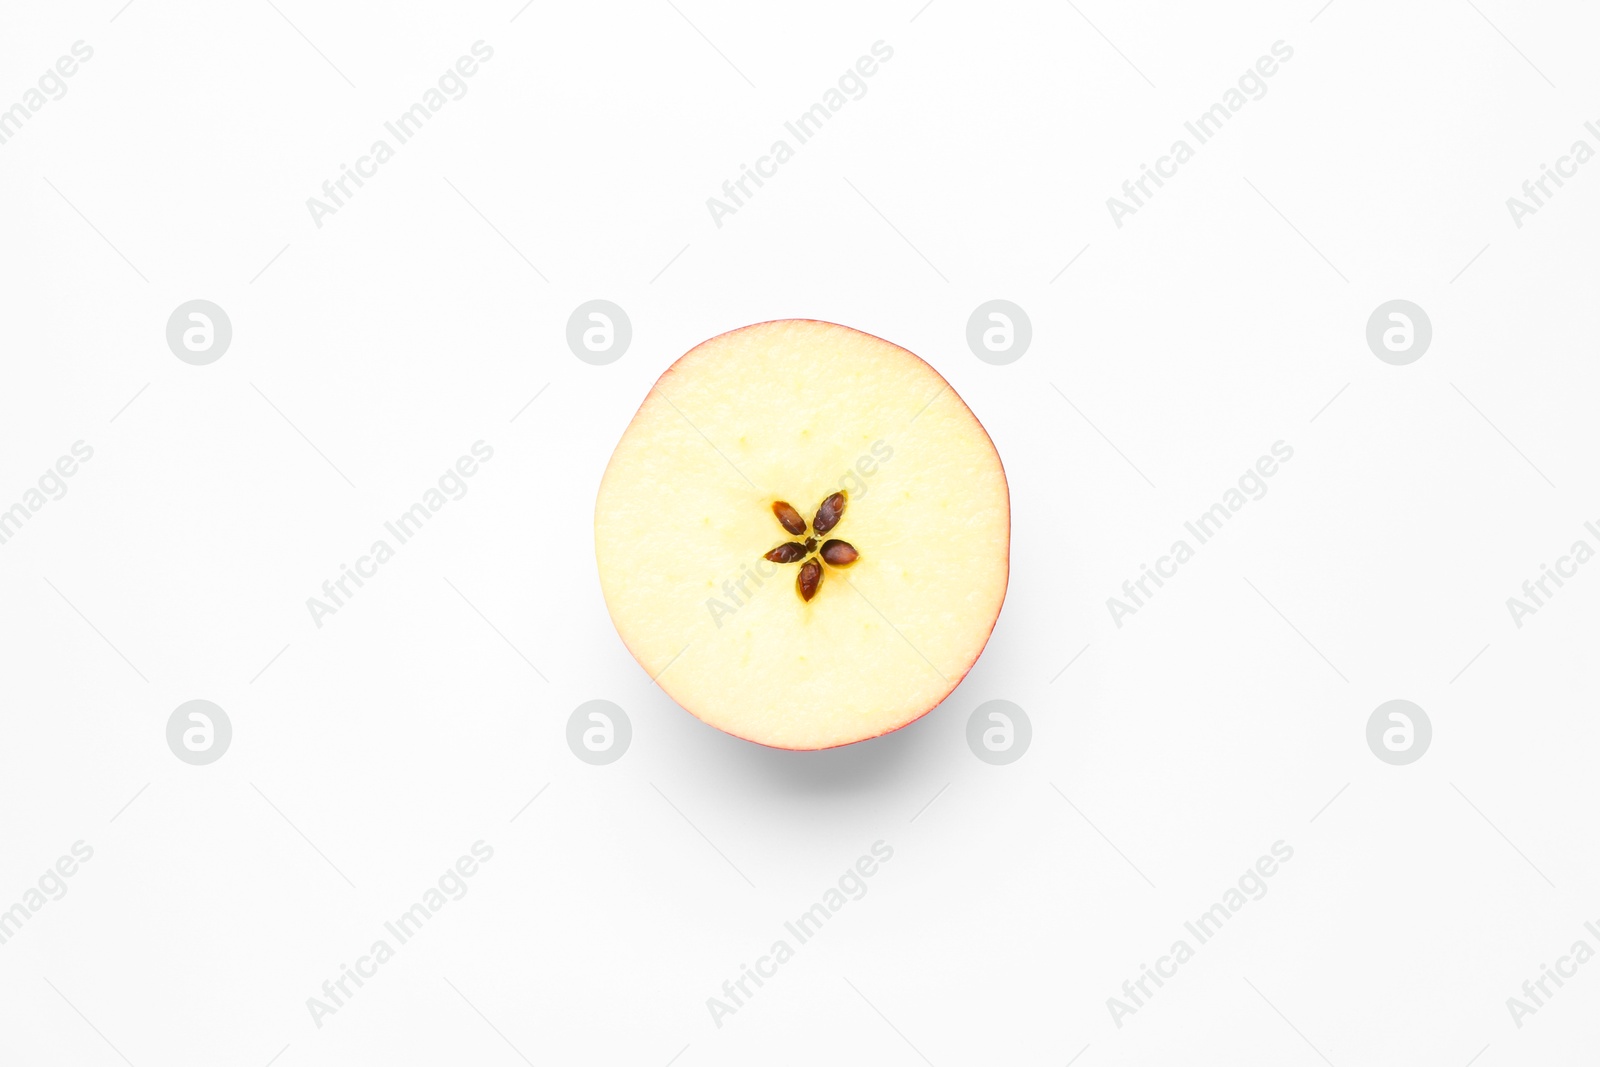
(804, 535)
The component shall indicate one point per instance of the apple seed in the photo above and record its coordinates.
(829, 514)
(839, 553)
(793, 552)
(789, 517)
(810, 578)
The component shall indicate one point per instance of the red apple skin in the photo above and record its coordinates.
(666, 375)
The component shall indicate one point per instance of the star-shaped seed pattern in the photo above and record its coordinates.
(834, 552)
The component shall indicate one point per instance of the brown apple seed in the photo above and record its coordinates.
(792, 552)
(839, 553)
(829, 514)
(810, 578)
(789, 517)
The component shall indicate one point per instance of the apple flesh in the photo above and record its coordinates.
(707, 531)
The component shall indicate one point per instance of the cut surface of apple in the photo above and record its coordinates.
(721, 516)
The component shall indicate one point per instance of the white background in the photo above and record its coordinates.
(370, 353)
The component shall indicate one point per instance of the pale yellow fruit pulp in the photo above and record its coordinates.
(795, 410)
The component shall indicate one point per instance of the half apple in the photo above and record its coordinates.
(804, 535)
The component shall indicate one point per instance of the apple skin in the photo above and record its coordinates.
(667, 376)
